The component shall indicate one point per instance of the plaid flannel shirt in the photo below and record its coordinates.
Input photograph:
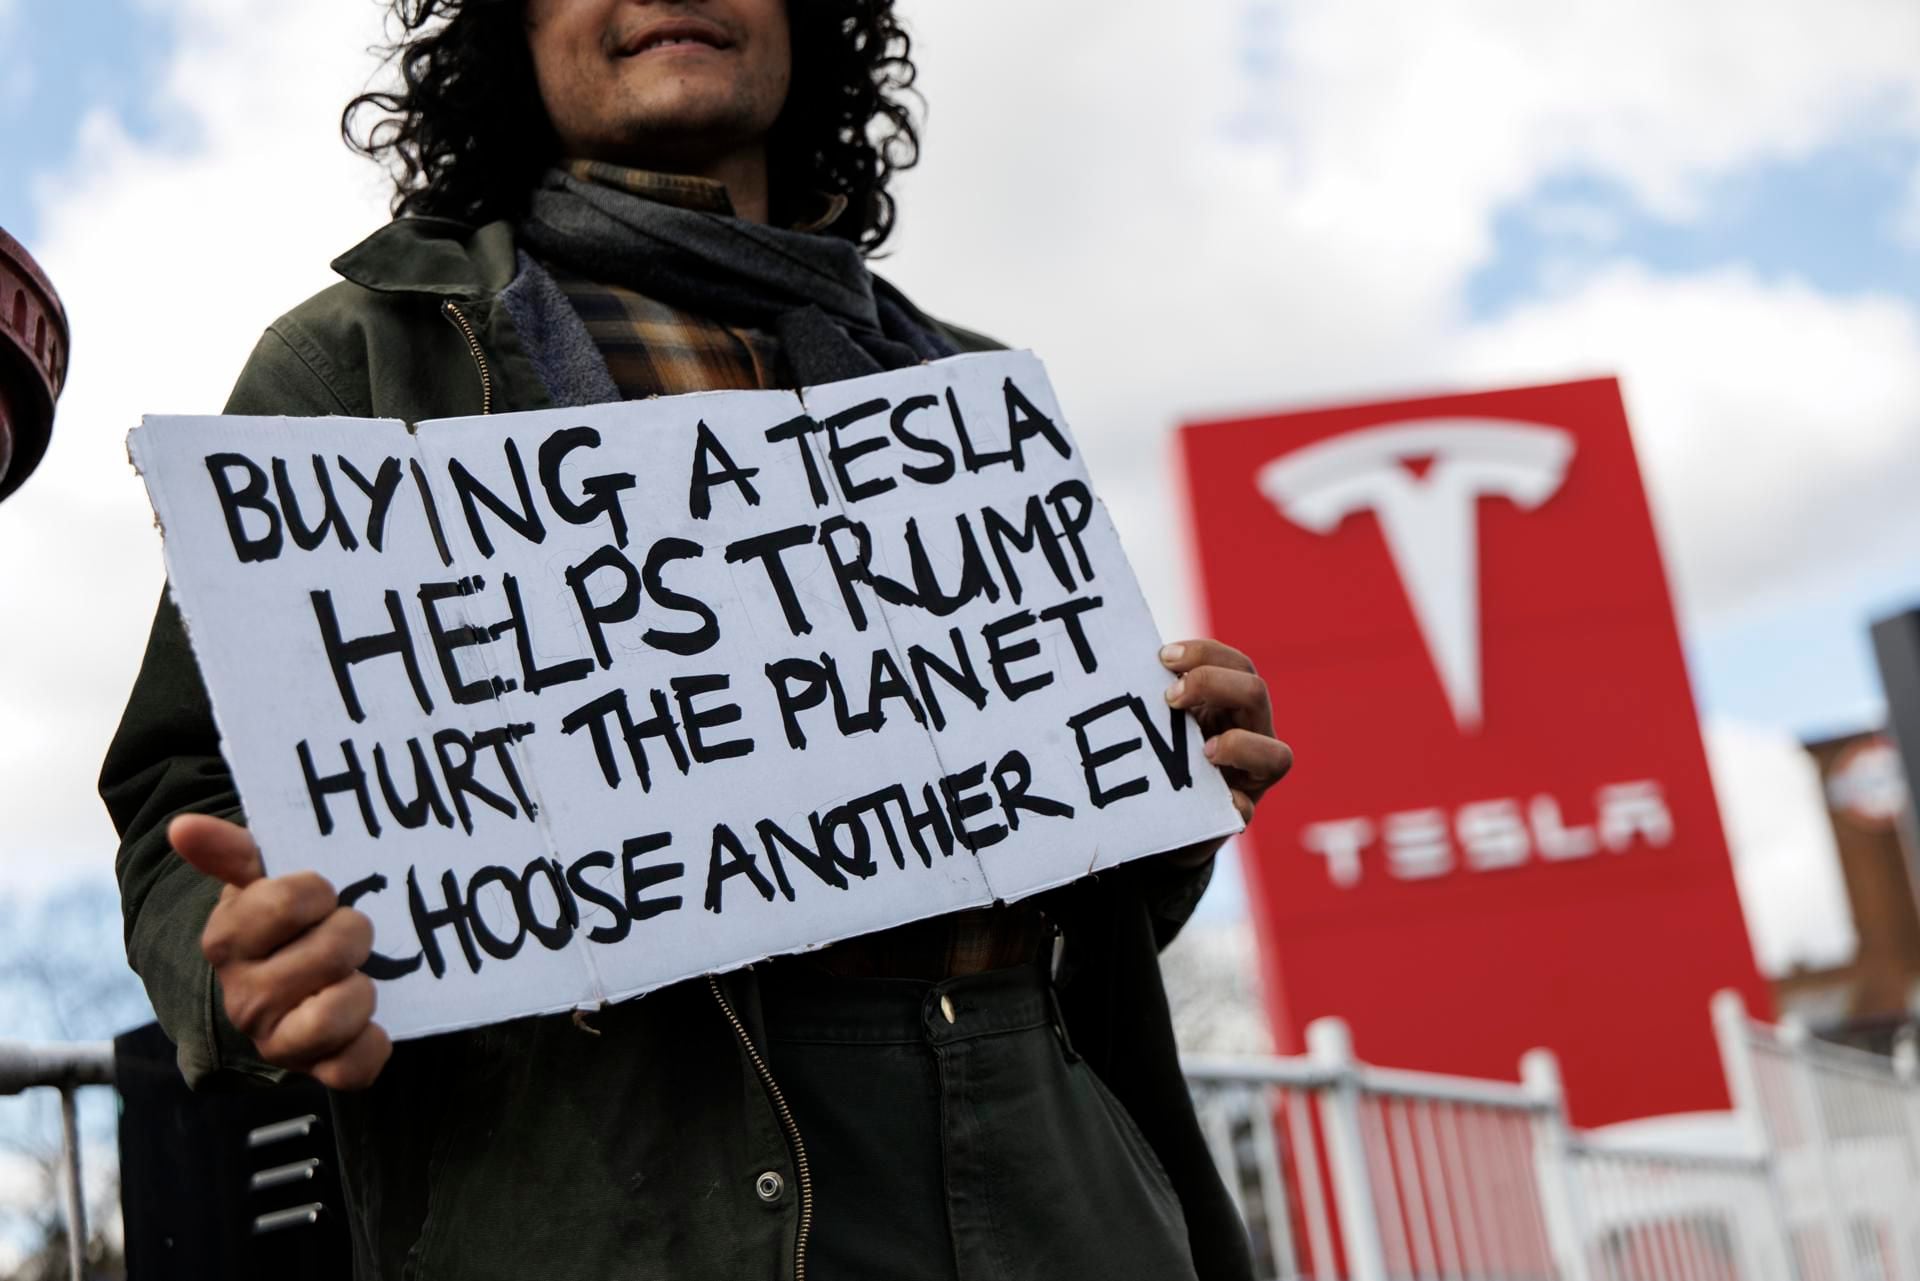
(651, 348)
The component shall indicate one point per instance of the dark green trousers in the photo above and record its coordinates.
(953, 1134)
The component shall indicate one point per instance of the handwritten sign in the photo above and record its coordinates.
(578, 703)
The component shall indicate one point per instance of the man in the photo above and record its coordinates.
(619, 198)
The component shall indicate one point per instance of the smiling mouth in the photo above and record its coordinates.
(672, 35)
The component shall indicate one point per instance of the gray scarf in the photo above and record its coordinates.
(833, 319)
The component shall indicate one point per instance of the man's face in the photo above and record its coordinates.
(660, 82)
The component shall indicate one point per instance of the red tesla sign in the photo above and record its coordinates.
(1501, 832)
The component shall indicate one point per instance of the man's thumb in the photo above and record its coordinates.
(222, 849)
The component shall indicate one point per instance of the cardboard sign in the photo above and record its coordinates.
(1501, 832)
(582, 702)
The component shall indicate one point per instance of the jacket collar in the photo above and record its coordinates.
(434, 256)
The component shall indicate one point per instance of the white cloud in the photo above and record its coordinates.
(1783, 851)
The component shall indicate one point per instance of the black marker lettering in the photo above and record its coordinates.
(426, 796)
(378, 966)
(959, 676)
(696, 720)
(306, 537)
(777, 843)
(766, 549)
(524, 520)
(447, 641)
(433, 512)
(379, 491)
(797, 430)
(700, 639)
(841, 455)
(938, 473)
(342, 654)
(427, 922)
(492, 944)
(637, 880)
(1000, 657)
(826, 829)
(252, 497)
(583, 888)
(1025, 421)
(1091, 760)
(1072, 493)
(1034, 530)
(729, 858)
(1013, 780)
(811, 678)
(963, 803)
(536, 677)
(1067, 614)
(603, 492)
(700, 490)
(974, 460)
(622, 608)
(552, 935)
(460, 781)
(352, 778)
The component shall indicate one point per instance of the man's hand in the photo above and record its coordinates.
(1218, 685)
(288, 959)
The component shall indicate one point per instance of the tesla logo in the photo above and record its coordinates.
(1424, 482)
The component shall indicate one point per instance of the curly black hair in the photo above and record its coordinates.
(466, 135)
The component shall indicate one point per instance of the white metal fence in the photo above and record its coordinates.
(66, 1068)
(1346, 1172)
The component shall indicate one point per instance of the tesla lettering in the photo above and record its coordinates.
(1488, 836)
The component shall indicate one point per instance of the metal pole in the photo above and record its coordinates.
(1731, 1028)
(1804, 1074)
(1330, 1046)
(1553, 1158)
(75, 1204)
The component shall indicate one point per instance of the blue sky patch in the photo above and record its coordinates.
(82, 56)
(1827, 219)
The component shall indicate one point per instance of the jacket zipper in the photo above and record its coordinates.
(786, 1120)
(465, 327)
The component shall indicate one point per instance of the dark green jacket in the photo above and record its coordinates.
(536, 1148)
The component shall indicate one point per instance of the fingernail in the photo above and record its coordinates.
(1171, 653)
(1176, 689)
(1211, 747)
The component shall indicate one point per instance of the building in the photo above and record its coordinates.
(1869, 998)
(33, 362)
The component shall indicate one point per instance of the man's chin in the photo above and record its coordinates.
(694, 98)
(687, 138)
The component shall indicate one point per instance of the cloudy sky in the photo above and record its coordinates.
(1188, 210)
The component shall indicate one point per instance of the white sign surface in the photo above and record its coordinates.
(578, 703)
